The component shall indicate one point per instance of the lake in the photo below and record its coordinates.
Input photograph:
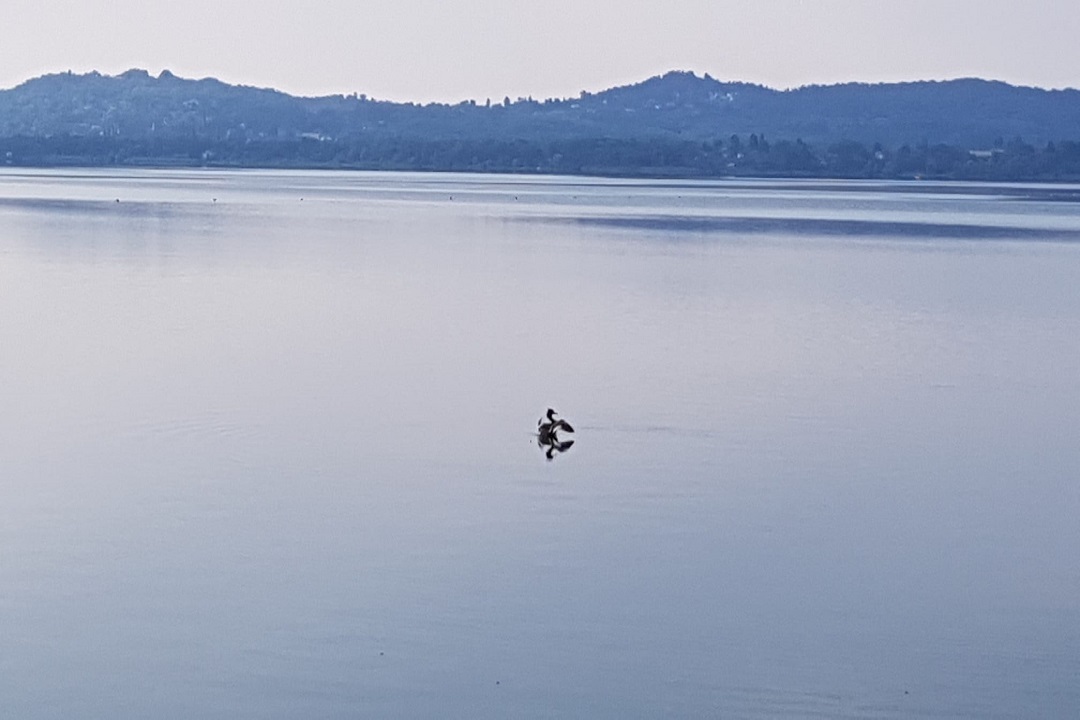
(268, 447)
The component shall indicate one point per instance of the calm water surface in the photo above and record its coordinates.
(266, 448)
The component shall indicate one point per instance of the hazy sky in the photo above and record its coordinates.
(456, 49)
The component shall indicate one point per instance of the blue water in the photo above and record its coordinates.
(267, 447)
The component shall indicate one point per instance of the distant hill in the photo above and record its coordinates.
(135, 117)
(970, 113)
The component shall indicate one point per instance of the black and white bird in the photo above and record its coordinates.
(547, 429)
(552, 425)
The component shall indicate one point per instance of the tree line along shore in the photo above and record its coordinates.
(733, 156)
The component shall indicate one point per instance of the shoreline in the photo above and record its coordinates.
(645, 173)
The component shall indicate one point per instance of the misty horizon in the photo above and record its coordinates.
(414, 51)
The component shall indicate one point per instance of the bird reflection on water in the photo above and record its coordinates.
(547, 434)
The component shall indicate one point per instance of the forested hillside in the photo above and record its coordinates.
(675, 124)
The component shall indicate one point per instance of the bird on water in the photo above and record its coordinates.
(552, 425)
(547, 434)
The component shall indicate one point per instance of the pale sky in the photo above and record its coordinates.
(451, 50)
